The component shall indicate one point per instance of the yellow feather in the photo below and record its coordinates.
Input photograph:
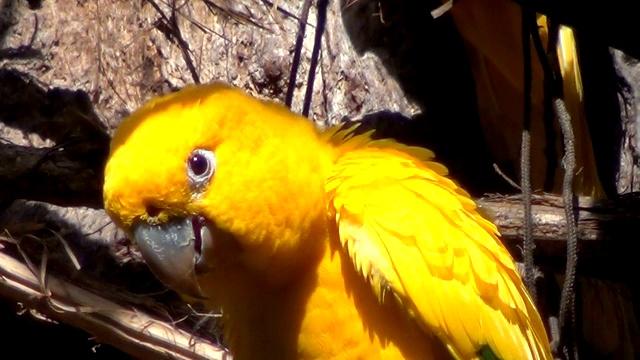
(443, 264)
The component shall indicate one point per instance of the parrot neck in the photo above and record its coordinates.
(302, 320)
(262, 312)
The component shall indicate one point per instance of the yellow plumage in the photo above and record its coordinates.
(317, 245)
(409, 228)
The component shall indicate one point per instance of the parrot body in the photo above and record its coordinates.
(315, 244)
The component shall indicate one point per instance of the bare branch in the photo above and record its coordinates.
(128, 328)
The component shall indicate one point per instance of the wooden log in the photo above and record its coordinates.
(604, 231)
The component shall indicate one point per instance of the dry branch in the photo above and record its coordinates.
(124, 326)
(603, 229)
(599, 220)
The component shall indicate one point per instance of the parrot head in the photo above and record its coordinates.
(209, 179)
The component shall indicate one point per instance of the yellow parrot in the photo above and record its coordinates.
(315, 244)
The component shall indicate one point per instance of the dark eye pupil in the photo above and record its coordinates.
(198, 164)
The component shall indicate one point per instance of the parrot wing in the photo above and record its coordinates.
(413, 234)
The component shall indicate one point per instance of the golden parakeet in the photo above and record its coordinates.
(315, 244)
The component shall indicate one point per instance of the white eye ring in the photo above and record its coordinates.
(201, 165)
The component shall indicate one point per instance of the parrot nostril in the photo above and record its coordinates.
(152, 211)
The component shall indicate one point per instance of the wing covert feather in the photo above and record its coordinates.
(409, 228)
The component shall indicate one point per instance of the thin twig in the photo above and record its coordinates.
(183, 45)
(317, 45)
(285, 12)
(67, 249)
(205, 29)
(172, 23)
(36, 25)
(505, 177)
(295, 64)
(235, 15)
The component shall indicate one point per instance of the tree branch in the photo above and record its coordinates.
(124, 326)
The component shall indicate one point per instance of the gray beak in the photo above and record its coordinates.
(173, 251)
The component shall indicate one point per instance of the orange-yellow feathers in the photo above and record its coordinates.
(415, 235)
(316, 245)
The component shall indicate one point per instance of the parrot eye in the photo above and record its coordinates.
(200, 167)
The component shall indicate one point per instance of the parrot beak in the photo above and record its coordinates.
(174, 250)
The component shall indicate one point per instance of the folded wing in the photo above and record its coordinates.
(413, 234)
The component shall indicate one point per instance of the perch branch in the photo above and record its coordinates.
(602, 228)
(133, 331)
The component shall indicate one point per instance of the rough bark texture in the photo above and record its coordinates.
(71, 70)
